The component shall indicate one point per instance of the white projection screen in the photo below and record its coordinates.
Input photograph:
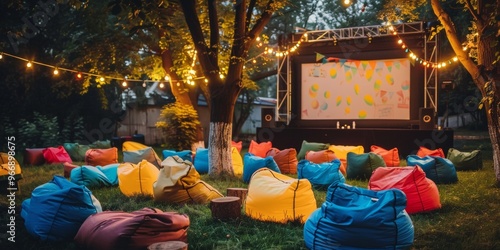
(356, 89)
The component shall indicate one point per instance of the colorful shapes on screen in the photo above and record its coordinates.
(362, 114)
(315, 87)
(312, 93)
(377, 84)
(324, 106)
(356, 89)
(327, 94)
(389, 79)
(368, 100)
(347, 110)
(333, 73)
(348, 76)
(315, 104)
(339, 100)
(405, 85)
(348, 100)
(369, 74)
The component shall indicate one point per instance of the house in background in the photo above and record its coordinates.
(141, 119)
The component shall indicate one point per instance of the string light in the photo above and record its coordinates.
(1, 55)
(56, 71)
(28, 64)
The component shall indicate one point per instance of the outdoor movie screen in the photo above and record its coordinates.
(356, 89)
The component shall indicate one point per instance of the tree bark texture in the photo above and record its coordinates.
(485, 61)
(226, 208)
(219, 150)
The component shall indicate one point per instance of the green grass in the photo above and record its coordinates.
(468, 219)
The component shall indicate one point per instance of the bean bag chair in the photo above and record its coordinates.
(321, 156)
(179, 183)
(321, 175)
(132, 231)
(76, 151)
(390, 156)
(423, 151)
(57, 209)
(342, 150)
(422, 194)
(137, 179)
(361, 166)
(238, 145)
(34, 156)
(252, 163)
(237, 161)
(440, 170)
(100, 144)
(135, 152)
(465, 160)
(200, 160)
(68, 167)
(56, 155)
(357, 218)
(286, 159)
(98, 176)
(186, 155)
(310, 146)
(279, 198)
(9, 167)
(259, 149)
(101, 157)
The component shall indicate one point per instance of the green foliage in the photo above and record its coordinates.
(179, 123)
(43, 131)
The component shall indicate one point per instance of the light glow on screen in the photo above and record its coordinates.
(356, 89)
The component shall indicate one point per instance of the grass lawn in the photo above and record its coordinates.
(468, 219)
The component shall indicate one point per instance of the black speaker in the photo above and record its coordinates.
(426, 119)
(268, 117)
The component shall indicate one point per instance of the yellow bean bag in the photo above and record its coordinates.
(136, 179)
(342, 150)
(179, 182)
(279, 198)
(237, 161)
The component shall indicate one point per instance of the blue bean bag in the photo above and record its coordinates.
(438, 169)
(98, 176)
(200, 160)
(57, 209)
(321, 175)
(252, 163)
(358, 218)
(186, 155)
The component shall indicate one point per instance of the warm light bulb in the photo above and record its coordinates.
(167, 78)
(346, 2)
(56, 71)
(28, 65)
(1, 56)
(144, 84)
(124, 83)
(101, 79)
(162, 85)
(79, 75)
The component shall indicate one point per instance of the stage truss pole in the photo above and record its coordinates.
(283, 87)
(431, 73)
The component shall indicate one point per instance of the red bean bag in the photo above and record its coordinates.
(259, 149)
(321, 156)
(101, 157)
(67, 168)
(135, 230)
(56, 155)
(286, 159)
(423, 151)
(237, 145)
(390, 156)
(421, 192)
(34, 156)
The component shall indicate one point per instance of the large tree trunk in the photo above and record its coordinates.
(219, 140)
(486, 82)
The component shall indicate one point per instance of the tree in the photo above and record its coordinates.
(484, 69)
(225, 83)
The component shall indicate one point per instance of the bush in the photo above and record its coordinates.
(43, 131)
(179, 123)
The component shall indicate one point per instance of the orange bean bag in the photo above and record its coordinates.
(423, 151)
(238, 145)
(259, 149)
(286, 159)
(391, 156)
(136, 179)
(321, 156)
(101, 157)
